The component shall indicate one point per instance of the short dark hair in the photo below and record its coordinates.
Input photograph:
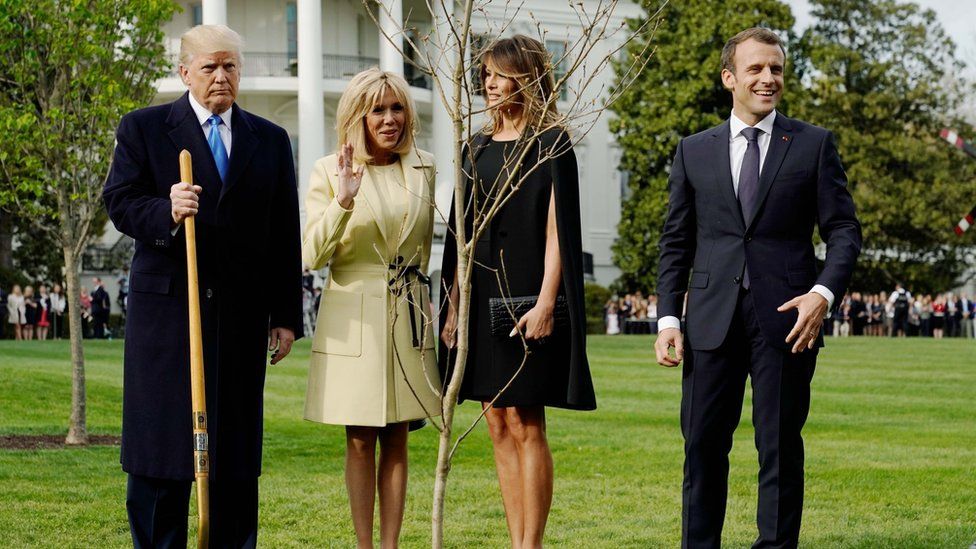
(759, 34)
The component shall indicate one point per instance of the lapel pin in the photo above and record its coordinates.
(786, 138)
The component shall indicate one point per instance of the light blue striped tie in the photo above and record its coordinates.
(217, 147)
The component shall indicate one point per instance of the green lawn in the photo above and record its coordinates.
(891, 456)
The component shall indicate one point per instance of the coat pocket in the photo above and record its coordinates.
(698, 280)
(153, 283)
(339, 330)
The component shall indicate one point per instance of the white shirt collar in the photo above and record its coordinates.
(203, 114)
(736, 125)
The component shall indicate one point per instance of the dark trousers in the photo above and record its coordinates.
(159, 512)
(101, 322)
(712, 390)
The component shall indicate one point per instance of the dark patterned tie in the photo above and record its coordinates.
(749, 182)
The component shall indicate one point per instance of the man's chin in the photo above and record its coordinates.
(220, 104)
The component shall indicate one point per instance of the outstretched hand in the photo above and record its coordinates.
(812, 307)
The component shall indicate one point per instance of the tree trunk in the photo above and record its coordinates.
(449, 400)
(6, 240)
(77, 428)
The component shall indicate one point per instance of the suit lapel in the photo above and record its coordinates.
(416, 175)
(244, 142)
(188, 134)
(723, 172)
(779, 144)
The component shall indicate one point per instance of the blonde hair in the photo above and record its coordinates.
(203, 39)
(365, 90)
(526, 61)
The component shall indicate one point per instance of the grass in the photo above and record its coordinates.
(891, 456)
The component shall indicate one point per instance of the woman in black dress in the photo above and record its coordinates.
(534, 244)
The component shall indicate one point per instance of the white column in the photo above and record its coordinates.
(311, 109)
(391, 25)
(214, 12)
(442, 128)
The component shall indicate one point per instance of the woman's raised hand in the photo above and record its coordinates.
(349, 178)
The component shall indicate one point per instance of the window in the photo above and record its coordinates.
(557, 49)
(291, 22)
(196, 11)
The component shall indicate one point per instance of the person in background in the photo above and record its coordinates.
(101, 308)
(900, 303)
(938, 316)
(965, 306)
(859, 314)
(842, 318)
(613, 320)
(30, 308)
(85, 301)
(915, 318)
(925, 316)
(44, 312)
(952, 316)
(15, 305)
(308, 279)
(58, 303)
(123, 290)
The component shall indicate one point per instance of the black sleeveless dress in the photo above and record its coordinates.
(510, 261)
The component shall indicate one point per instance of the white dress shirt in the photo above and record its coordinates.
(203, 115)
(737, 151)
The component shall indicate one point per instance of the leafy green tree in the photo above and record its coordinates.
(884, 77)
(678, 94)
(69, 69)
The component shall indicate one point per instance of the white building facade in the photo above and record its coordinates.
(300, 54)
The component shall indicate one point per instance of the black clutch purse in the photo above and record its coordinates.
(501, 311)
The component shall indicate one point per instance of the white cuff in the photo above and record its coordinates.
(826, 293)
(174, 230)
(666, 322)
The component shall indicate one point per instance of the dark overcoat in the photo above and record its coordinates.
(557, 372)
(249, 260)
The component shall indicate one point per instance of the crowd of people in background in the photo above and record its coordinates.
(630, 314)
(43, 313)
(901, 314)
(35, 315)
(896, 314)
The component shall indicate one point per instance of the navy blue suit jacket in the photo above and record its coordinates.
(249, 261)
(706, 243)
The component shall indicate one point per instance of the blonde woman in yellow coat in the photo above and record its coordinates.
(373, 367)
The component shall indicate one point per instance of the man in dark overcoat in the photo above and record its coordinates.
(744, 200)
(246, 208)
(101, 308)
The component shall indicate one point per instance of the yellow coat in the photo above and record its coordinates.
(365, 369)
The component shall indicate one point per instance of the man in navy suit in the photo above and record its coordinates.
(246, 207)
(744, 199)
